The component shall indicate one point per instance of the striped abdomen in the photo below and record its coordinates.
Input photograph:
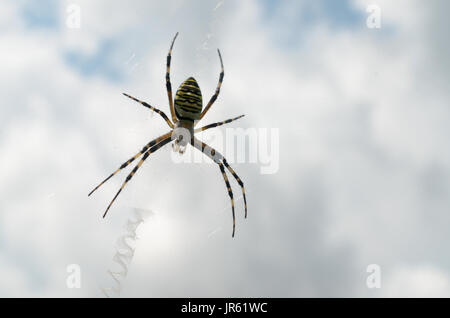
(188, 100)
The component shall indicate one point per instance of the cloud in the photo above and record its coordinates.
(363, 174)
(420, 281)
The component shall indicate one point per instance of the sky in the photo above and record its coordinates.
(356, 121)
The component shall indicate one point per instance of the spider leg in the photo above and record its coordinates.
(214, 97)
(238, 181)
(217, 124)
(168, 84)
(128, 178)
(126, 163)
(230, 193)
(215, 156)
(219, 156)
(163, 115)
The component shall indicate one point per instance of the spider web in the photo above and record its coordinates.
(126, 244)
(125, 248)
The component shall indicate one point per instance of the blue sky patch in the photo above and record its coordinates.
(102, 63)
(290, 28)
(41, 14)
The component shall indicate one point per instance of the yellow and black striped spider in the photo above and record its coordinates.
(186, 112)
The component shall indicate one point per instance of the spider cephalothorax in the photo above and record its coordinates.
(182, 134)
(186, 111)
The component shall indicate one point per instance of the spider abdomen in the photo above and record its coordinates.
(188, 100)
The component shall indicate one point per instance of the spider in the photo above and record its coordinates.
(186, 112)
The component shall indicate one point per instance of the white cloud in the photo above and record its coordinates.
(418, 281)
(363, 165)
